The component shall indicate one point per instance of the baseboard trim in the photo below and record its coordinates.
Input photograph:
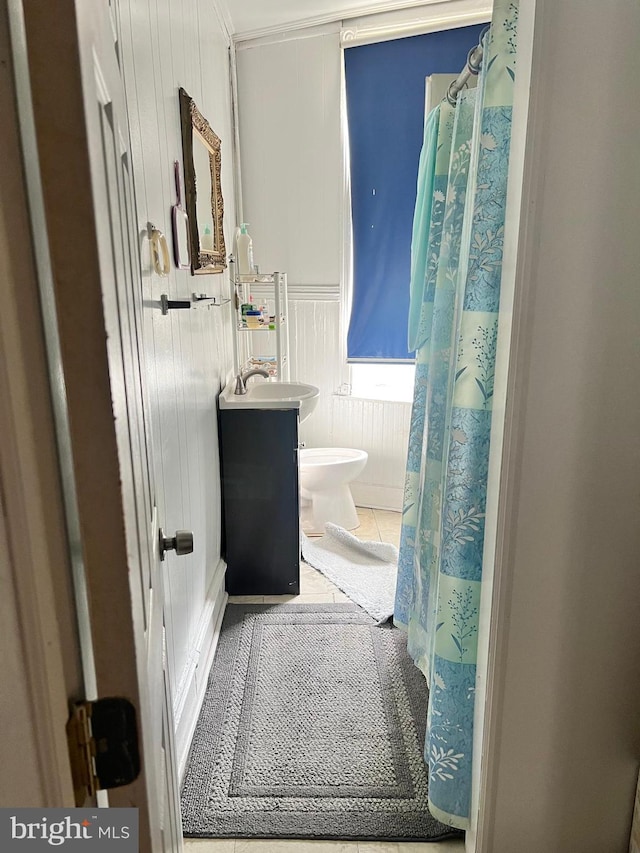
(190, 694)
(377, 497)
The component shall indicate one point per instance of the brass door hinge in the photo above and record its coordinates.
(103, 746)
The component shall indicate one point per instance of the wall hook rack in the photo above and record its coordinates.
(167, 304)
(210, 301)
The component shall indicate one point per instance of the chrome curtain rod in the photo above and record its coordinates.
(471, 69)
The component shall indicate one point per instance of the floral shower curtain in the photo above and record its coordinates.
(462, 183)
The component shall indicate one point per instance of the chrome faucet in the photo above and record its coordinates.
(241, 379)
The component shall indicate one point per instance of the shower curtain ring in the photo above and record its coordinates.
(473, 67)
(450, 97)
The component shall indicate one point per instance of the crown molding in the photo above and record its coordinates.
(349, 16)
(279, 35)
(223, 15)
(353, 35)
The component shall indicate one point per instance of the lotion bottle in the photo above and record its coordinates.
(245, 251)
(206, 243)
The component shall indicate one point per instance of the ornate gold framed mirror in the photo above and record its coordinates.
(203, 192)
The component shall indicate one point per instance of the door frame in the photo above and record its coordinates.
(40, 649)
(58, 110)
(59, 361)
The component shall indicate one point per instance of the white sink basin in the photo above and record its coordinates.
(263, 394)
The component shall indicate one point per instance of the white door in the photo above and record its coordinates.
(119, 259)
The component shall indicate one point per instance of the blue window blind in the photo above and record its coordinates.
(385, 85)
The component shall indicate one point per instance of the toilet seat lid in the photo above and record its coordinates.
(330, 455)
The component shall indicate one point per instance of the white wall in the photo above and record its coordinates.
(188, 353)
(289, 110)
(293, 179)
(563, 720)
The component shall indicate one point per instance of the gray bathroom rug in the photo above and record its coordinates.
(312, 727)
(365, 571)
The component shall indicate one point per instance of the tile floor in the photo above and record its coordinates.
(379, 525)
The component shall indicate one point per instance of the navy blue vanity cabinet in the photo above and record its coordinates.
(259, 466)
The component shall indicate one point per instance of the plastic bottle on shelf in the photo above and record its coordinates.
(206, 243)
(245, 251)
(244, 308)
(253, 319)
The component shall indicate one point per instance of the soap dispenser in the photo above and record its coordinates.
(245, 251)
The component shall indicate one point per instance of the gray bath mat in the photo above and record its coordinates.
(365, 571)
(312, 727)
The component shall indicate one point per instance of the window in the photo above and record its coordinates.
(385, 93)
(390, 382)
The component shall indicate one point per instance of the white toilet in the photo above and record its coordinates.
(325, 474)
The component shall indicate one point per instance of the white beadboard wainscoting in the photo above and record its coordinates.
(382, 429)
(317, 353)
(188, 353)
(377, 426)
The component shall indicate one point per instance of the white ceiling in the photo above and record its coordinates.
(259, 16)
